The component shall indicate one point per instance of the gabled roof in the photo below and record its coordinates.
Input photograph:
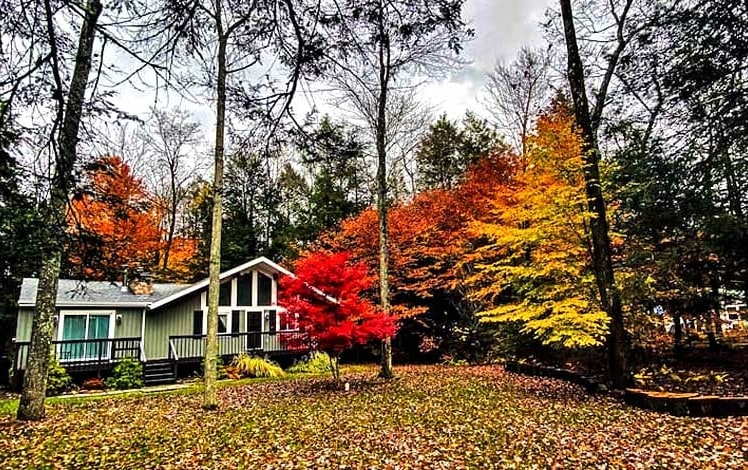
(260, 262)
(74, 293)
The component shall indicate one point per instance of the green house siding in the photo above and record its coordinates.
(248, 287)
(171, 320)
(128, 325)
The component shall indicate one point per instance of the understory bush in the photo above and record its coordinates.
(222, 370)
(254, 366)
(316, 362)
(58, 379)
(127, 374)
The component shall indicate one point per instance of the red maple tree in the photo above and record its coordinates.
(325, 299)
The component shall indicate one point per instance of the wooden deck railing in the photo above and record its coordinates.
(192, 347)
(83, 354)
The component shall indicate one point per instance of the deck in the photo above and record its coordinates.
(100, 355)
(191, 348)
(84, 354)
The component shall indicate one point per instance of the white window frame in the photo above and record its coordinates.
(227, 309)
(227, 314)
(256, 289)
(87, 313)
(278, 312)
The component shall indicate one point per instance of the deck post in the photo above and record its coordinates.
(98, 362)
(14, 368)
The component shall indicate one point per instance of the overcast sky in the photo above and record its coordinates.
(502, 27)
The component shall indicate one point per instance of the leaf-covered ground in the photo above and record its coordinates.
(429, 417)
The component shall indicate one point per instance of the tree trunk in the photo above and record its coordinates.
(210, 398)
(31, 406)
(599, 231)
(172, 223)
(678, 333)
(709, 327)
(382, 202)
(335, 368)
(716, 307)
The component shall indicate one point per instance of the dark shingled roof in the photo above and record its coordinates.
(101, 293)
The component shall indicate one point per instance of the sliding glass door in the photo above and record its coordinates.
(84, 327)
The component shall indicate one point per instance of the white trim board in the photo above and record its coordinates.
(204, 283)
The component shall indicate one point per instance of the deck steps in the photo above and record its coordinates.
(159, 373)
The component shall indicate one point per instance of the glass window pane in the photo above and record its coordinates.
(287, 321)
(98, 326)
(254, 321)
(244, 290)
(74, 327)
(224, 294)
(272, 320)
(222, 321)
(197, 322)
(264, 286)
(235, 319)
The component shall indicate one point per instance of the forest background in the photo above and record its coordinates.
(490, 251)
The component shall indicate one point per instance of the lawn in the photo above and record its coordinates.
(429, 417)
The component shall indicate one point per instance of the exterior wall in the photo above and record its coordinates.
(175, 319)
(127, 327)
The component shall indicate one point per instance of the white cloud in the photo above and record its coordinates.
(501, 27)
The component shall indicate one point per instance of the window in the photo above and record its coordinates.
(223, 320)
(272, 318)
(197, 323)
(244, 290)
(264, 289)
(287, 321)
(224, 294)
(84, 326)
(235, 315)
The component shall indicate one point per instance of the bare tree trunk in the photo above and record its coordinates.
(335, 368)
(599, 230)
(172, 221)
(31, 406)
(210, 398)
(382, 202)
(714, 308)
(678, 333)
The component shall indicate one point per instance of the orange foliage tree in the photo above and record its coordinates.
(111, 223)
(535, 267)
(182, 259)
(428, 241)
(509, 244)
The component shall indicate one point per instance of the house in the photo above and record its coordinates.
(161, 325)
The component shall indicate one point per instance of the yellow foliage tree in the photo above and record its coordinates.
(534, 266)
